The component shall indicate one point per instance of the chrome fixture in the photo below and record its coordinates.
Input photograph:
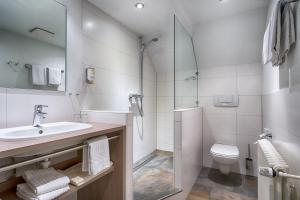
(41, 29)
(47, 156)
(12, 64)
(144, 45)
(29, 67)
(140, 96)
(191, 78)
(38, 115)
(138, 100)
(267, 134)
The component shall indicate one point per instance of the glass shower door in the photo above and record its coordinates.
(185, 68)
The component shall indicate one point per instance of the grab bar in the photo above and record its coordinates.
(41, 158)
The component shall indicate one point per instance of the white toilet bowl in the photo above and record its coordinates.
(225, 156)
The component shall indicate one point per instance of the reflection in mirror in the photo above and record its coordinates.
(32, 44)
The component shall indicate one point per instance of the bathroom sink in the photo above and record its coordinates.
(30, 132)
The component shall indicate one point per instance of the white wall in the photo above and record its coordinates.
(229, 54)
(114, 51)
(165, 108)
(188, 149)
(25, 50)
(281, 107)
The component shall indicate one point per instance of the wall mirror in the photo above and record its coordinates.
(32, 45)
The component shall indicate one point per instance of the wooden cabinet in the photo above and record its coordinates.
(108, 185)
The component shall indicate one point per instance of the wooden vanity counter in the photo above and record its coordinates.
(108, 185)
(12, 148)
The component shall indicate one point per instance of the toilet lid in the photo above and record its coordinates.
(227, 151)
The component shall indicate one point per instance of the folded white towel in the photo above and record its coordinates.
(42, 181)
(39, 75)
(54, 76)
(96, 156)
(25, 192)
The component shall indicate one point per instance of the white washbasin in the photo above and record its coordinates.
(30, 132)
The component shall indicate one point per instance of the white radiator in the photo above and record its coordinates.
(270, 188)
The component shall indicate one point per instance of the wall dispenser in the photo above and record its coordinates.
(90, 75)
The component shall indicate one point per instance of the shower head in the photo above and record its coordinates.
(152, 40)
(155, 40)
(144, 45)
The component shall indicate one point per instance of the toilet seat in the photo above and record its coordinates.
(225, 151)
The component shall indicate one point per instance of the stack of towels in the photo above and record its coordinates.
(43, 184)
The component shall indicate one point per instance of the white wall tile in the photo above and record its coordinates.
(249, 85)
(217, 72)
(165, 104)
(223, 124)
(249, 105)
(249, 69)
(59, 108)
(165, 89)
(217, 86)
(209, 108)
(249, 125)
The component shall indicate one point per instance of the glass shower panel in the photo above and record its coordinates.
(185, 68)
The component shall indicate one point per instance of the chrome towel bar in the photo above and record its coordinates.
(271, 173)
(42, 158)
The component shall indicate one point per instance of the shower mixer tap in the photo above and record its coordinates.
(138, 98)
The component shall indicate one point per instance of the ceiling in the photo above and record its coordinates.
(157, 14)
(20, 16)
(206, 10)
(152, 18)
(156, 19)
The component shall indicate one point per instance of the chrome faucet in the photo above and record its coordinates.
(38, 115)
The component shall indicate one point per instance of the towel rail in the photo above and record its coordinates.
(292, 1)
(42, 158)
(271, 173)
(286, 175)
(29, 66)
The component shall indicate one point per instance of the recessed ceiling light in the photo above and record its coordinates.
(139, 5)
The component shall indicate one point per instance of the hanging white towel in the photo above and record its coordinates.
(39, 75)
(54, 76)
(25, 192)
(96, 155)
(42, 181)
(279, 35)
(288, 33)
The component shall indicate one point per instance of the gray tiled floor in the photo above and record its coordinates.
(154, 179)
(212, 185)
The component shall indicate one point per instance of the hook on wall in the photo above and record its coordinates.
(12, 64)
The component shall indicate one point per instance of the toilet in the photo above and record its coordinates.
(225, 156)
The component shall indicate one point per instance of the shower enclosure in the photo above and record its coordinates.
(172, 52)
